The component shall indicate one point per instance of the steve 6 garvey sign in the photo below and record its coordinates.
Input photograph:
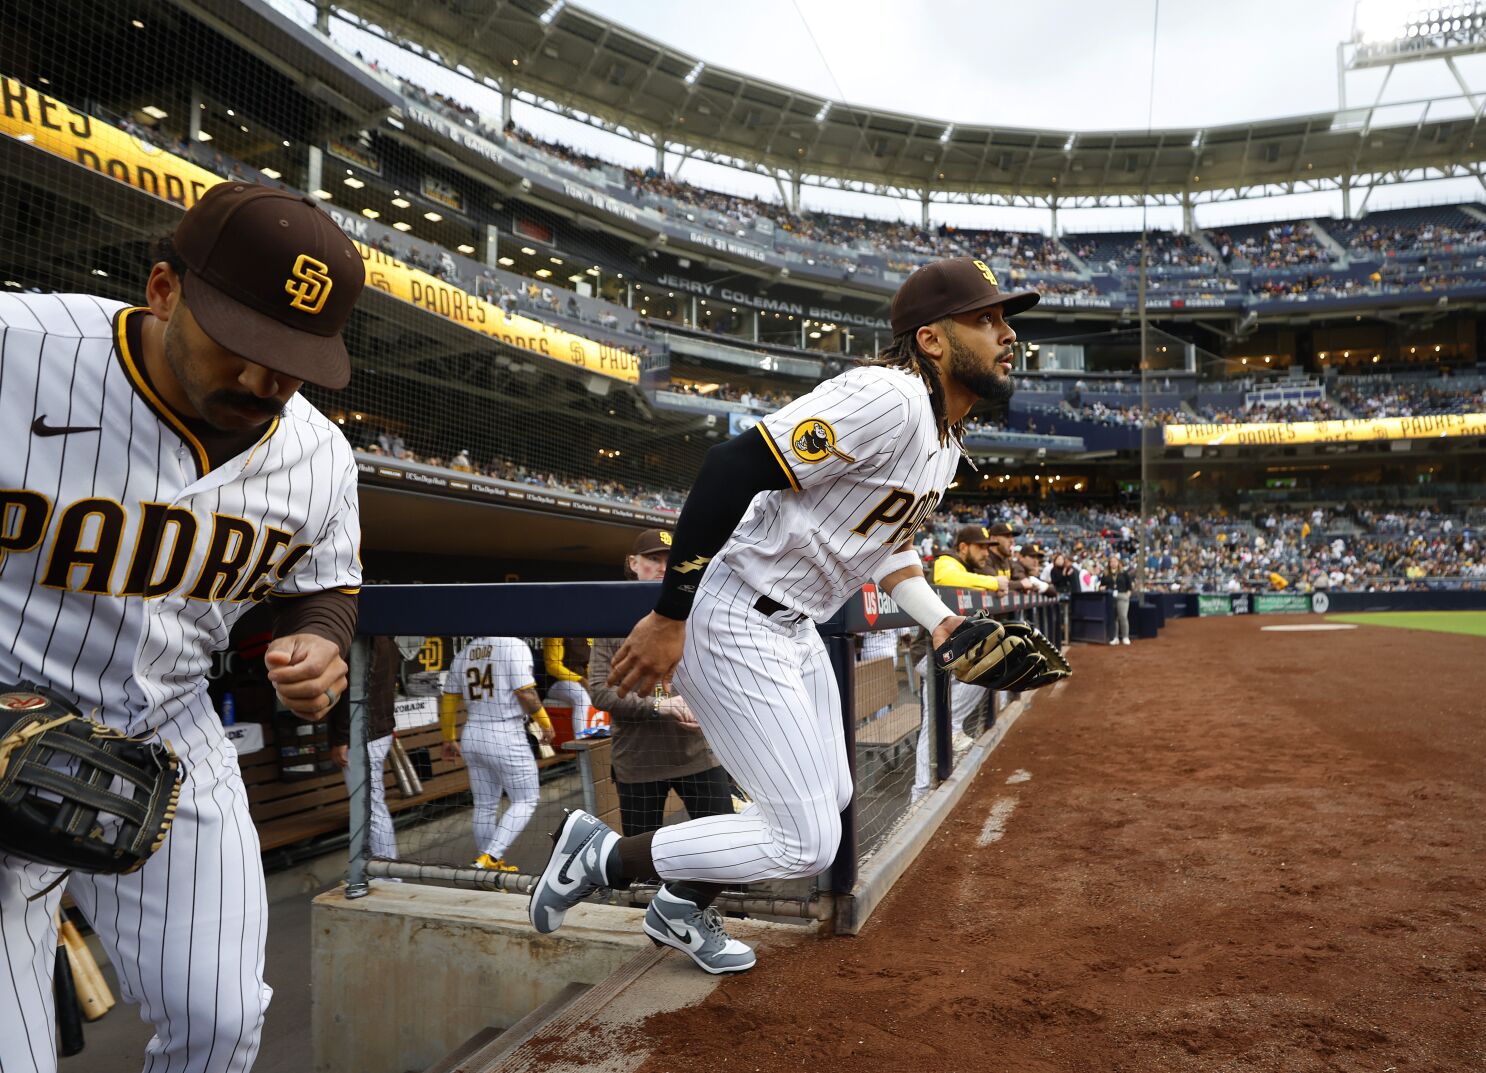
(47, 124)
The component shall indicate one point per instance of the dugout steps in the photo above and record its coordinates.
(488, 1047)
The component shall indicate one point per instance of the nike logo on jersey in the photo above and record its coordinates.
(39, 427)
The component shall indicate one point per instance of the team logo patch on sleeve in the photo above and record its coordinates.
(814, 440)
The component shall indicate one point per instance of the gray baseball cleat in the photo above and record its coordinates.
(673, 921)
(574, 871)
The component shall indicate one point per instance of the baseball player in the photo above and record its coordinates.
(782, 525)
(492, 677)
(962, 568)
(565, 659)
(1033, 556)
(381, 695)
(161, 475)
(1003, 562)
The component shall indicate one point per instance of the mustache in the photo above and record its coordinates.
(247, 401)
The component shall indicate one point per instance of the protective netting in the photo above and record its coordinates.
(493, 351)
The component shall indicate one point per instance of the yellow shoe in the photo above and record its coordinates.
(486, 863)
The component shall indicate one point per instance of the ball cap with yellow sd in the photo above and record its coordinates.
(941, 289)
(272, 279)
(972, 534)
(651, 541)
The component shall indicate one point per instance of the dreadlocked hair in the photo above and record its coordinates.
(904, 353)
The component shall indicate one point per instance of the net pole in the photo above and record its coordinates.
(1145, 419)
(360, 789)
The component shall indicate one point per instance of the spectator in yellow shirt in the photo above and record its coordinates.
(962, 567)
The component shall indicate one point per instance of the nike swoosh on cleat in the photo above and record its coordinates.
(562, 873)
(686, 936)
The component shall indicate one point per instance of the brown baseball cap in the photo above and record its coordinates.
(651, 541)
(972, 534)
(272, 279)
(941, 289)
(1033, 550)
(1002, 529)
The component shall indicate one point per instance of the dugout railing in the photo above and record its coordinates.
(905, 734)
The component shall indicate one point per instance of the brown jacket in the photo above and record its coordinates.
(647, 747)
(381, 691)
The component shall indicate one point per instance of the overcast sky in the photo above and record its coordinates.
(1063, 64)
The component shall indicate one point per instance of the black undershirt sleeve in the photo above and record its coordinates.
(732, 474)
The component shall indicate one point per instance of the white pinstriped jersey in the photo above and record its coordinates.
(124, 558)
(487, 673)
(864, 457)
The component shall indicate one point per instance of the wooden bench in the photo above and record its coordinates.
(885, 725)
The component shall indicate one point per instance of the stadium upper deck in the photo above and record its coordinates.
(578, 60)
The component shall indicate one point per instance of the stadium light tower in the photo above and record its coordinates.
(1387, 33)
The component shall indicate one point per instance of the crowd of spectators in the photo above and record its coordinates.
(1362, 237)
(1411, 400)
(1339, 548)
(388, 444)
(1101, 413)
(1283, 245)
(1166, 249)
(1292, 410)
(754, 399)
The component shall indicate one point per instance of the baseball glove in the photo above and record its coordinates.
(1001, 655)
(76, 794)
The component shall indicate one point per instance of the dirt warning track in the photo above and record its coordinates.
(1224, 850)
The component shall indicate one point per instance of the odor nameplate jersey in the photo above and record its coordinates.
(487, 673)
(124, 558)
(864, 458)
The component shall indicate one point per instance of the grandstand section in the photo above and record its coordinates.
(557, 334)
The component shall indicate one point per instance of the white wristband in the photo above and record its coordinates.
(922, 603)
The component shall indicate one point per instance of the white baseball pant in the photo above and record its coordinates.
(765, 695)
(500, 760)
(383, 838)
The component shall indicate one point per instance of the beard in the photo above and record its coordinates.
(976, 376)
(210, 404)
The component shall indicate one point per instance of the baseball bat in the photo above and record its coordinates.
(69, 1017)
(415, 784)
(399, 772)
(544, 750)
(93, 992)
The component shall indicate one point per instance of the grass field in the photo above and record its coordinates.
(1472, 623)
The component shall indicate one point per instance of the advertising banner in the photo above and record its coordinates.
(48, 124)
(1208, 605)
(1282, 603)
(1297, 432)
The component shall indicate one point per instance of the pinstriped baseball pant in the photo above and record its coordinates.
(765, 695)
(185, 933)
(382, 834)
(499, 760)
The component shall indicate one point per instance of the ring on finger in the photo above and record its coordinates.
(332, 696)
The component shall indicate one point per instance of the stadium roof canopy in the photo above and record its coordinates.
(571, 60)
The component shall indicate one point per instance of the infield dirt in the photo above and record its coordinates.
(1236, 851)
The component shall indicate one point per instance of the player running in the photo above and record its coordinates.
(161, 476)
(492, 677)
(779, 529)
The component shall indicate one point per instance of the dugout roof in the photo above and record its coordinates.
(584, 63)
